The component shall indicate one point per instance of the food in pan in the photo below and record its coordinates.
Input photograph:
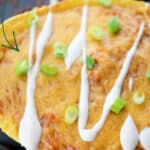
(79, 78)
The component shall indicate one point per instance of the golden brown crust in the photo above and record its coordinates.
(68, 4)
(53, 95)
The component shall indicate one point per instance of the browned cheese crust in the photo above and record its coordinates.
(53, 95)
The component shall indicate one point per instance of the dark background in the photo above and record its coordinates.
(14, 7)
(17, 6)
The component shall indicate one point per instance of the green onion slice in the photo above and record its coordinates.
(60, 49)
(105, 3)
(22, 68)
(90, 62)
(32, 18)
(96, 33)
(71, 115)
(50, 71)
(114, 25)
(148, 74)
(138, 99)
(118, 105)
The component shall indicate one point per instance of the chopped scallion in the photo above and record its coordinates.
(114, 25)
(96, 33)
(71, 115)
(22, 68)
(118, 105)
(60, 49)
(105, 3)
(90, 62)
(138, 99)
(32, 18)
(50, 71)
(148, 74)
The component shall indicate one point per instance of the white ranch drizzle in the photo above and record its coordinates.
(23, 134)
(129, 135)
(147, 5)
(52, 1)
(130, 85)
(30, 129)
(145, 138)
(90, 134)
(77, 44)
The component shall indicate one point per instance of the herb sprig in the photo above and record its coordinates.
(8, 45)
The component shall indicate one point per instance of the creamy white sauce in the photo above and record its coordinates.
(30, 129)
(76, 46)
(145, 138)
(52, 1)
(129, 135)
(130, 85)
(90, 134)
(147, 5)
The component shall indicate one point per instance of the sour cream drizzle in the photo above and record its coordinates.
(52, 1)
(90, 134)
(129, 135)
(147, 5)
(145, 138)
(76, 46)
(130, 85)
(30, 129)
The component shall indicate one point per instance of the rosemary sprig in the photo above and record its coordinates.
(8, 45)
